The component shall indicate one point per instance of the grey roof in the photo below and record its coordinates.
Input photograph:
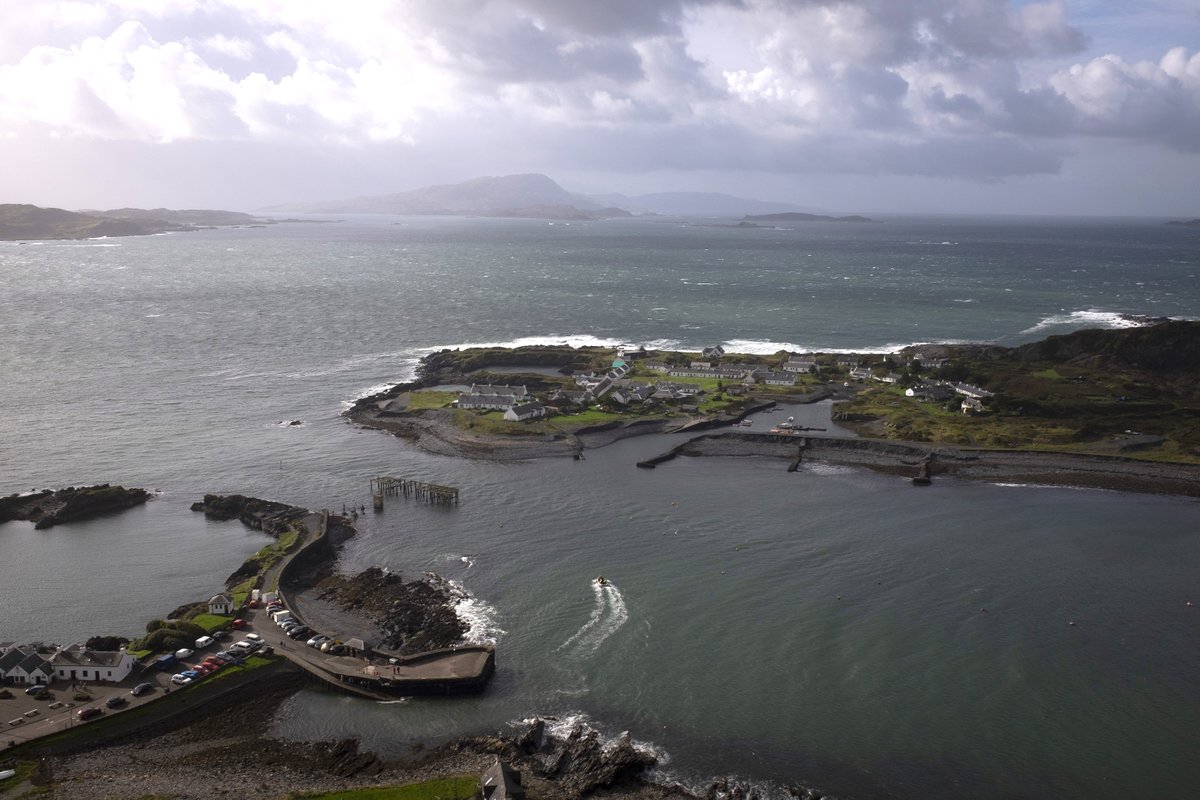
(501, 782)
(80, 656)
(13, 657)
(35, 661)
(487, 388)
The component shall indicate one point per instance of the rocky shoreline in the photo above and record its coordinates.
(229, 749)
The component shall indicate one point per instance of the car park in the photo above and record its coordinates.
(141, 689)
(116, 701)
(89, 712)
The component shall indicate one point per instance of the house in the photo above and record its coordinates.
(525, 412)
(861, 373)
(487, 388)
(970, 390)
(77, 663)
(602, 388)
(631, 353)
(220, 604)
(658, 366)
(25, 665)
(972, 405)
(713, 353)
(851, 360)
(771, 378)
(11, 658)
(702, 365)
(930, 392)
(487, 402)
(891, 377)
(501, 782)
(572, 397)
(801, 364)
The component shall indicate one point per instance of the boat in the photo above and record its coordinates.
(601, 580)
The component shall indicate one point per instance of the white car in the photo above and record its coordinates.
(183, 653)
(254, 637)
(181, 679)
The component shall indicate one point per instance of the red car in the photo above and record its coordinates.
(238, 624)
(89, 712)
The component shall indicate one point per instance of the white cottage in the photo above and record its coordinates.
(220, 604)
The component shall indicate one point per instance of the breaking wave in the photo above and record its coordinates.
(1089, 318)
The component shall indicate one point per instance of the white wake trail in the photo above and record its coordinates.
(609, 614)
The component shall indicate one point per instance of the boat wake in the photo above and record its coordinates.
(607, 617)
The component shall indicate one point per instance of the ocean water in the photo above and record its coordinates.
(825, 627)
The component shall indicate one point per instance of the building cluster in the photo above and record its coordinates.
(39, 664)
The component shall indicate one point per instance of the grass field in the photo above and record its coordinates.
(459, 788)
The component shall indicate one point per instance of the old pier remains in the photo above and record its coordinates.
(429, 492)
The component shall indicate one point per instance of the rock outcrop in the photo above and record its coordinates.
(51, 507)
(265, 515)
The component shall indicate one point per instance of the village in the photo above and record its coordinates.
(635, 384)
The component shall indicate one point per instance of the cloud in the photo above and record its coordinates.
(922, 87)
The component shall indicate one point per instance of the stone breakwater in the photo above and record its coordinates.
(998, 466)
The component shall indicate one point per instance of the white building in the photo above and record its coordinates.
(77, 663)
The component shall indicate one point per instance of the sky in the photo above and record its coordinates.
(929, 106)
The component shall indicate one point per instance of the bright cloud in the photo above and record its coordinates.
(917, 87)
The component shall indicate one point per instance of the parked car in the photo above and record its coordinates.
(89, 712)
(141, 689)
(221, 634)
(204, 641)
(181, 680)
(299, 631)
(238, 624)
(37, 688)
(318, 640)
(254, 637)
(116, 701)
(183, 653)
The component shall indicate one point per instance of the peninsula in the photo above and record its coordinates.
(1124, 399)
(23, 222)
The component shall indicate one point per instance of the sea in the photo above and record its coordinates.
(832, 627)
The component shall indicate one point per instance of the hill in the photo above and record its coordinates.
(1132, 390)
(489, 196)
(693, 204)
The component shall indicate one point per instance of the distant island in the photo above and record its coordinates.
(1186, 223)
(535, 196)
(794, 216)
(23, 222)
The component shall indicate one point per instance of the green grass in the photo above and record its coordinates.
(211, 622)
(457, 788)
(24, 770)
(418, 401)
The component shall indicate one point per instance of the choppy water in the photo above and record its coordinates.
(168, 362)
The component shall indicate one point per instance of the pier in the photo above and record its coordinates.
(445, 496)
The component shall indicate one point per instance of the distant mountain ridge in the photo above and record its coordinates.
(507, 195)
(535, 196)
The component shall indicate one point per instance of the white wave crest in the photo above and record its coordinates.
(560, 726)
(480, 617)
(607, 617)
(1087, 318)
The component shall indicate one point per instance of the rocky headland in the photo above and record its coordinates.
(24, 222)
(51, 507)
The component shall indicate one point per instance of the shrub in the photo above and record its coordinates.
(5, 694)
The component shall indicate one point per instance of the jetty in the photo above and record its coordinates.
(444, 496)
